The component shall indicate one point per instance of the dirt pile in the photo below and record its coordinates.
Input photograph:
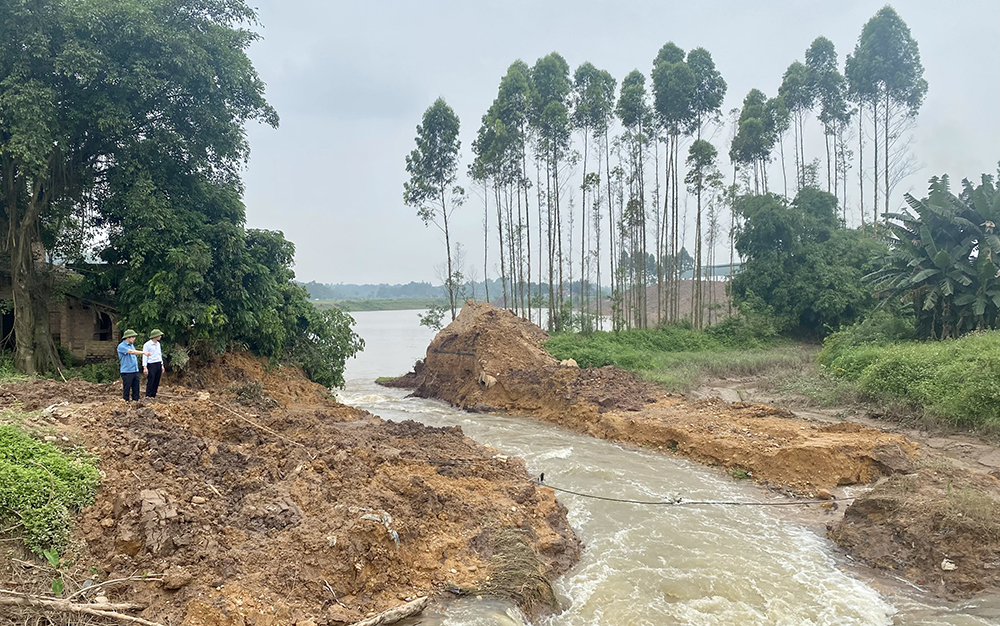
(491, 360)
(938, 526)
(304, 509)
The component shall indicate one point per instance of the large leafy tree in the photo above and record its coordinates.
(87, 87)
(433, 170)
(885, 73)
(802, 263)
(944, 258)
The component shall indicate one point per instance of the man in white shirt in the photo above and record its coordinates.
(152, 365)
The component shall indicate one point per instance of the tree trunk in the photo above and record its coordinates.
(886, 160)
(875, 186)
(447, 245)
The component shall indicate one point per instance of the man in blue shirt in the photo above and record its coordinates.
(129, 365)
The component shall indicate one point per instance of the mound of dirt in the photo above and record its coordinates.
(489, 359)
(938, 526)
(305, 510)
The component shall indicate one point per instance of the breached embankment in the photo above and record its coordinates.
(491, 360)
(249, 497)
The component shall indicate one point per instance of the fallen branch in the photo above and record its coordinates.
(264, 428)
(14, 598)
(396, 614)
(95, 587)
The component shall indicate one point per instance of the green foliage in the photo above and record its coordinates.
(886, 64)
(944, 259)
(433, 318)
(41, 487)
(100, 372)
(882, 328)
(675, 356)
(109, 104)
(320, 341)
(801, 263)
(639, 349)
(957, 380)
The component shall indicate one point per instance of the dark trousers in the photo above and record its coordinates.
(153, 379)
(130, 382)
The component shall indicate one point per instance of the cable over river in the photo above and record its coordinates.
(713, 564)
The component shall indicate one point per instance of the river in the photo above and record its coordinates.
(652, 565)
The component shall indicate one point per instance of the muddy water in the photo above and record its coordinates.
(653, 564)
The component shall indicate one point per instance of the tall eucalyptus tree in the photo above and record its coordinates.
(593, 104)
(829, 88)
(885, 73)
(550, 86)
(673, 91)
(797, 93)
(433, 170)
(635, 114)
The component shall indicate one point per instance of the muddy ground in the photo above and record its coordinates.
(252, 498)
(926, 518)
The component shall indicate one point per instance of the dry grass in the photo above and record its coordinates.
(518, 575)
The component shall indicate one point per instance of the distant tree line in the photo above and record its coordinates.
(584, 178)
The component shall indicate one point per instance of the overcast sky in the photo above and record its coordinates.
(351, 81)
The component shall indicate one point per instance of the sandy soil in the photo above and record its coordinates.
(491, 360)
(284, 506)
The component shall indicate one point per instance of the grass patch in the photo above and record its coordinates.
(679, 358)
(41, 487)
(955, 381)
(396, 304)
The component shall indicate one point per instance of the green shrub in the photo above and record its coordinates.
(880, 329)
(41, 486)
(956, 380)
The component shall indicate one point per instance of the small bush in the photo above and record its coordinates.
(101, 372)
(41, 487)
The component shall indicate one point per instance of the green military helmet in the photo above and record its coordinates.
(129, 333)
(156, 332)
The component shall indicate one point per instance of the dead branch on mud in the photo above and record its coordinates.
(14, 598)
(395, 614)
(95, 587)
(266, 429)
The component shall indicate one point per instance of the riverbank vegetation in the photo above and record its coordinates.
(375, 304)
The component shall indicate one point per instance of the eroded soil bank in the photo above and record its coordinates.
(913, 522)
(259, 500)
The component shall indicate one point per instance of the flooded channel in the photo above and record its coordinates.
(708, 564)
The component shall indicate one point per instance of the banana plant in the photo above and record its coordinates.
(944, 258)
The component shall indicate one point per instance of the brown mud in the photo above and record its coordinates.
(258, 500)
(491, 360)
